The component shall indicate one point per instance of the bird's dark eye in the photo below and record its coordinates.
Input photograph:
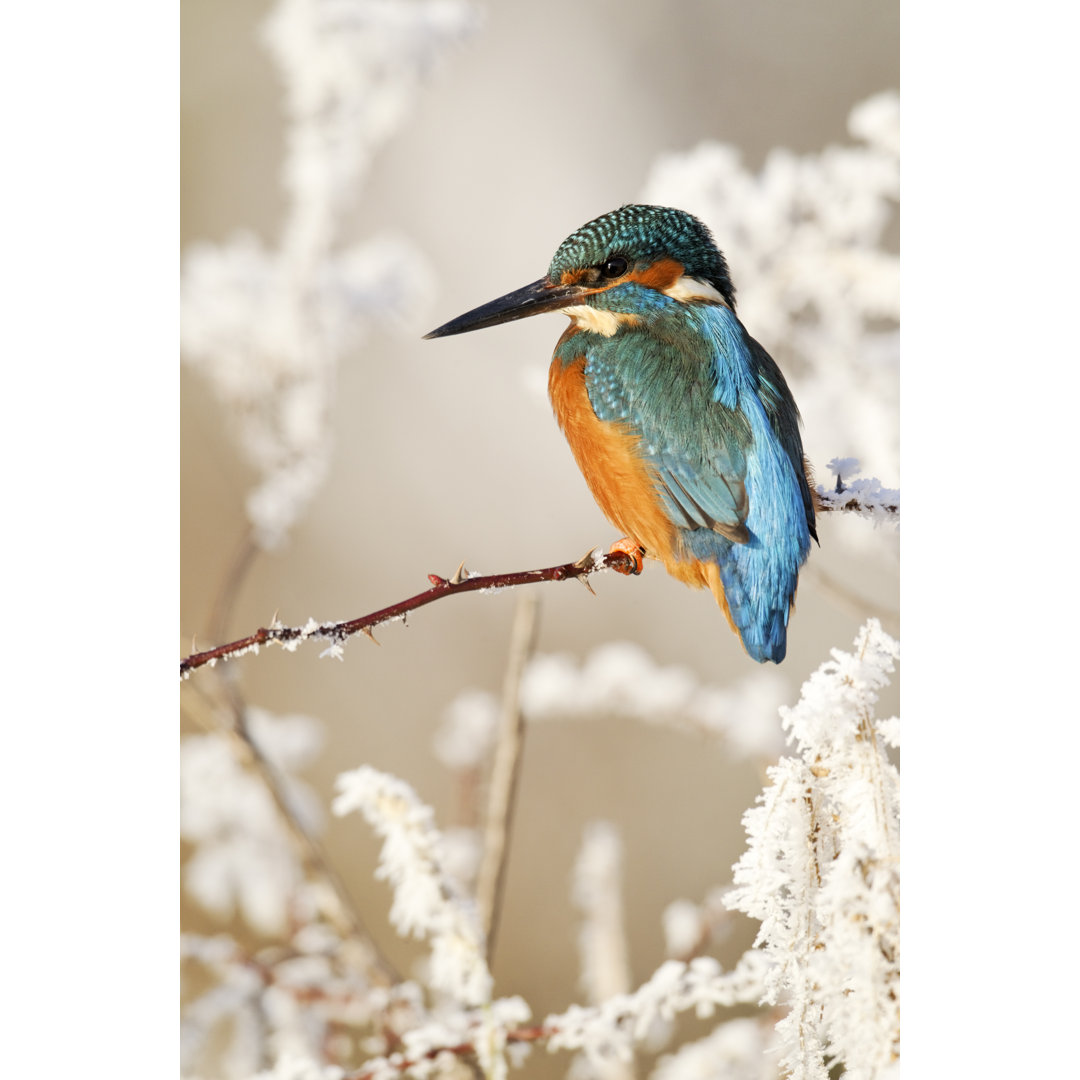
(613, 267)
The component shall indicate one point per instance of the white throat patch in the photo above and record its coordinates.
(596, 319)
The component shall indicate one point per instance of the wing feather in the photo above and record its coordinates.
(663, 394)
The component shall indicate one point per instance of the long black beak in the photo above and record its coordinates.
(531, 300)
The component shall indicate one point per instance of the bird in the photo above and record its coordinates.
(682, 425)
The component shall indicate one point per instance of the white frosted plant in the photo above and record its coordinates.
(268, 326)
(429, 904)
(427, 901)
(820, 874)
(609, 1031)
(807, 239)
(822, 871)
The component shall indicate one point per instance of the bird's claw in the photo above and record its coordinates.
(630, 548)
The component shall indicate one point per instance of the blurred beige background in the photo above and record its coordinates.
(445, 451)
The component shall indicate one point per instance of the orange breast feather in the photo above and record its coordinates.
(621, 481)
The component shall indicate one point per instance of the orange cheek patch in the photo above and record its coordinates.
(661, 275)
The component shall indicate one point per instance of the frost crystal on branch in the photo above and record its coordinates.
(822, 871)
(427, 902)
(861, 495)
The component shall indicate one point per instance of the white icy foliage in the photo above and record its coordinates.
(822, 871)
(741, 1049)
(267, 327)
(805, 239)
(244, 860)
(609, 1031)
(427, 900)
(621, 679)
(485, 1029)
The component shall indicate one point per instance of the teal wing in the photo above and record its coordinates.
(662, 392)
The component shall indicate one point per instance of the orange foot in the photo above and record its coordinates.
(628, 547)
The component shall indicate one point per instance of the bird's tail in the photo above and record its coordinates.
(763, 633)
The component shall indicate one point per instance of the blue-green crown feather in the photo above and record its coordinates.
(642, 234)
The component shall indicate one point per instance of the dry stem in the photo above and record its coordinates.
(505, 770)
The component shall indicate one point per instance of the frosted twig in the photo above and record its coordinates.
(461, 582)
(610, 1029)
(883, 504)
(505, 770)
(427, 901)
(401, 1064)
(605, 1032)
(862, 495)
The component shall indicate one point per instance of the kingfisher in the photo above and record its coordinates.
(681, 423)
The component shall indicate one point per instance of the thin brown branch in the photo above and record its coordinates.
(505, 771)
(460, 582)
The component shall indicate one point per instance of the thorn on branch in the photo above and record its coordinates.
(586, 559)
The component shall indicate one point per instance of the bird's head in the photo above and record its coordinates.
(619, 266)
